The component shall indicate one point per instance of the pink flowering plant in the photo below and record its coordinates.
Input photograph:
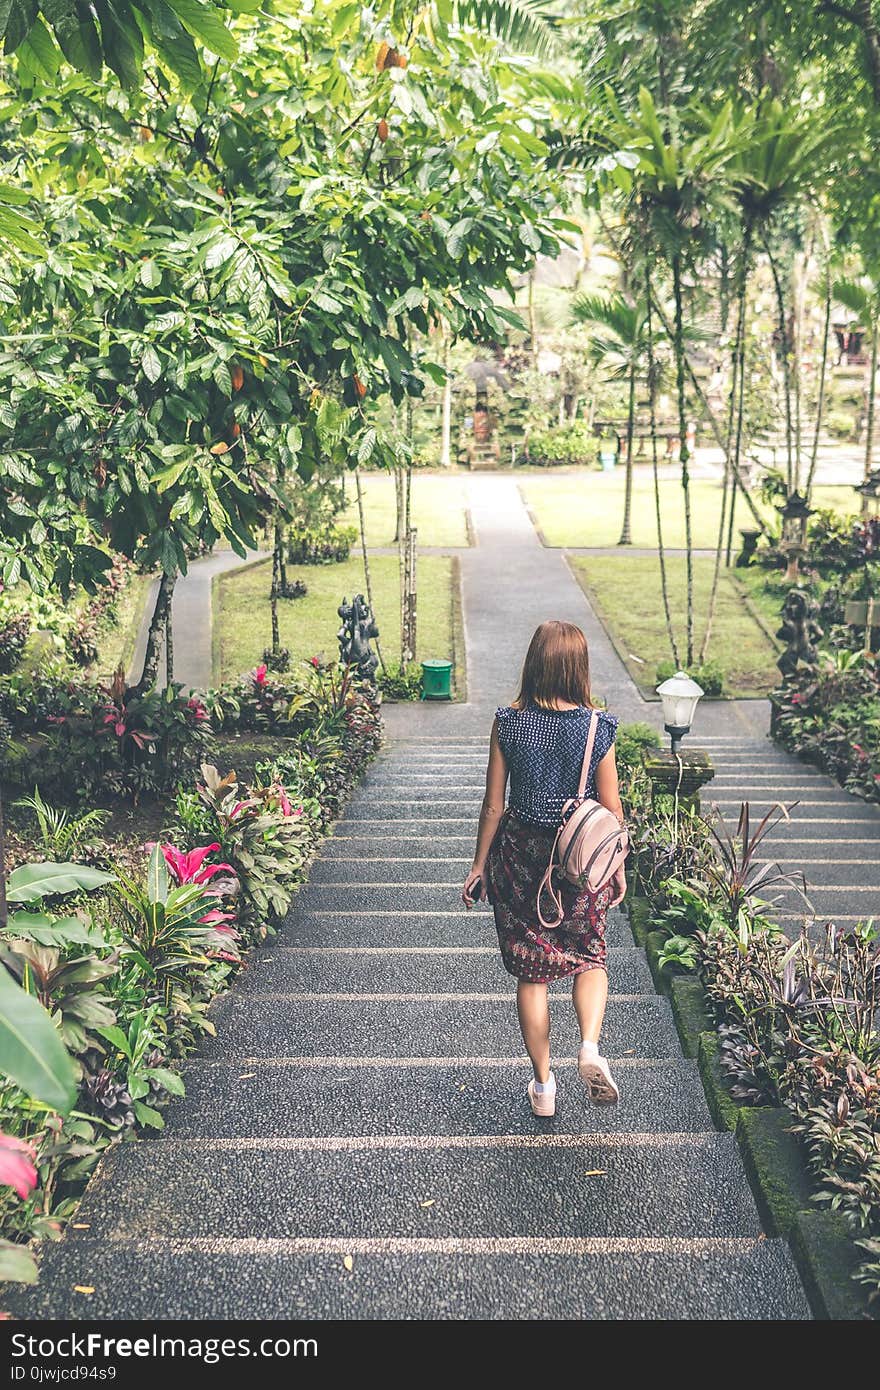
(264, 834)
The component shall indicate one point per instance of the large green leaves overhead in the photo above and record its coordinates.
(114, 33)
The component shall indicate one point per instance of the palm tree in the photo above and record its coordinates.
(862, 298)
(680, 177)
(618, 343)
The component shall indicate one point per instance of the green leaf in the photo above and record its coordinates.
(150, 275)
(116, 1036)
(147, 1115)
(201, 20)
(172, 1082)
(31, 882)
(157, 877)
(530, 236)
(32, 1054)
(17, 1264)
(151, 363)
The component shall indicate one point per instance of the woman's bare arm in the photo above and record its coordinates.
(490, 811)
(607, 786)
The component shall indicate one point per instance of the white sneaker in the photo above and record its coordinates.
(543, 1103)
(595, 1073)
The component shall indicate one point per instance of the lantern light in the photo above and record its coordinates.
(679, 696)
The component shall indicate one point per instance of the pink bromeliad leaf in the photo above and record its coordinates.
(16, 1165)
(191, 867)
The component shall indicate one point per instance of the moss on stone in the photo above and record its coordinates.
(690, 1012)
(826, 1256)
(774, 1161)
(640, 918)
(722, 1107)
(654, 943)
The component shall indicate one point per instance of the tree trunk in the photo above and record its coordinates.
(446, 417)
(709, 417)
(625, 530)
(782, 328)
(652, 405)
(4, 911)
(872, 403)
(367, 577)
(823, 374)
(155, 634)
(398, 506)
(736, 369)
(533, 327)
(678, 346)
(742, 304)
(169, 645)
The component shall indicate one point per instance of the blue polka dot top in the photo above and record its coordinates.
(544, 752)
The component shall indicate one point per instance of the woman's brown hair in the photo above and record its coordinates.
(556, 668)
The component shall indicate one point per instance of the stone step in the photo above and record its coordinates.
(457, 813)
(440, 1096)
(416, 1025)
(631, 1279)
(424, 1186)
(830, 902)
(356, 971)
(455, 927)
(374, 869)
(350, 841)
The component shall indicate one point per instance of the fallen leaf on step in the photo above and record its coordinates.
(248, 1076)
(629, 1052)
(429, 1203)
(83, 1288)
(596, 1173)
(81, 1225)
(348, 1262)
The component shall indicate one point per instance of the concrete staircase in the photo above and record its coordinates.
(832, 837)
(357, 1143)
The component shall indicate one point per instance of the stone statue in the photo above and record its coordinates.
(358, 626)
(799, 632)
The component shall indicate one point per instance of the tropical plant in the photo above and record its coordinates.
(740, 878)
(61, 833)
(618, 341)
(171, 931)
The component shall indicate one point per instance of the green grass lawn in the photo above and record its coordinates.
(116, 641)
(586, 508)
(242, 623)
(438, 505)
(626, 592)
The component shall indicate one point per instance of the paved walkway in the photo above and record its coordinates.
(192, 620)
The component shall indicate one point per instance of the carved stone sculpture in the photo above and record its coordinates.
(358, 627)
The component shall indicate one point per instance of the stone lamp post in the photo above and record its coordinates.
(671, 771)
(795, 515)
(869, 491)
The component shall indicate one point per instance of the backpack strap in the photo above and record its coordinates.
(588, 751)
(546, 885)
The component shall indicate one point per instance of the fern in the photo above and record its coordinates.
(522, 24)
(61, 834)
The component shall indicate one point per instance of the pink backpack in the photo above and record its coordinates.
(590, 843)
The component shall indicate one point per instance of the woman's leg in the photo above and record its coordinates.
(534, 1022)
(589, 994)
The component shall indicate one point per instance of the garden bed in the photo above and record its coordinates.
(127, 922)
(784, 1034)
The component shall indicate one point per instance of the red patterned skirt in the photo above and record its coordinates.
(516, 864)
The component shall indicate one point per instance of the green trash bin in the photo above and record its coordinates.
(436, 680)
